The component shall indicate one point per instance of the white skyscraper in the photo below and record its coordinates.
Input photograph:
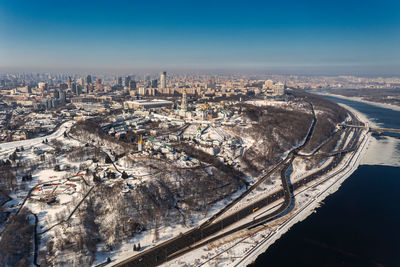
(163, 80)
(184, 101)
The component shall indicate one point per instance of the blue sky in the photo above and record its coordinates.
(321, 36)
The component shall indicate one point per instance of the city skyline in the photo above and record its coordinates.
(199, 133)
(291, 37)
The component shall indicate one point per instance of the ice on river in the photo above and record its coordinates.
(383, 151)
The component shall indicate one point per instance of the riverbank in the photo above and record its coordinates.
(340, 234)
(359, 99)
(244, 247)
(381, 150)
(361, 116)
(338, 176)
(373, 151)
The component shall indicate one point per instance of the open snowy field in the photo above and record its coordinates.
(10, 146)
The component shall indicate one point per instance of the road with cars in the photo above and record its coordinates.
(208, 231)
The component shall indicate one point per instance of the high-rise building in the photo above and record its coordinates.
(142, 91)
(89, 88)
(48, 103)
(62, 86)
(268, 84)
(132, 85)
(211, 84)
(99, 86)
(81, 81)
(147, 84)
(184, 101)
(163, 80)
(279, 89)
(79, 89)
(127, 80)
(73, 88)
(154, 83)
(42, 86)
(152, 91)
(119, 81)
(63, 96)
(88, 79)
(69, 81)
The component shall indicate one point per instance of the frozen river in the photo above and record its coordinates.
(358, 225)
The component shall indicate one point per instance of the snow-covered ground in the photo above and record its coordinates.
(271, 186)
(381, 150)
(360, 116)
(50, 215)
(244, 247)
(308, 200)
(265, 102)
(216, 133)
(288, 105)
(300, 171)
(304, 205)
(10, 146)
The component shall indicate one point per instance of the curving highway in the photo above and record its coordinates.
(208, 232)
(189, 240)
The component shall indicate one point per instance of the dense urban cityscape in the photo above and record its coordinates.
(34, 93)
(199, 133)
(166, 143)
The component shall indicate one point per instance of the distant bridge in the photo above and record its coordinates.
(372, 129)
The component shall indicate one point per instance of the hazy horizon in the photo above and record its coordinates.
(312, 37)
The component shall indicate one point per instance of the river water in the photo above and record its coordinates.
(359, 225)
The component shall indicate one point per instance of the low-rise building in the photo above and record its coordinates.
(147, 104)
